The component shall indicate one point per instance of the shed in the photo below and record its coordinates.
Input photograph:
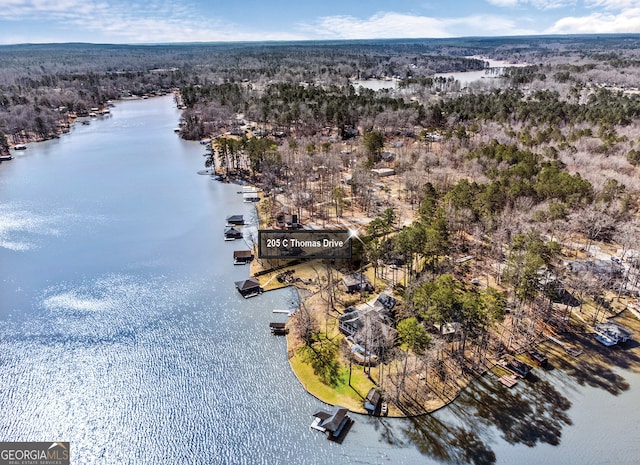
(372, 401)
(357, 282)
(383, 172)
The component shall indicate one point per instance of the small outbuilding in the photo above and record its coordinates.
(232, 233)
(235, 220)
(249, 287)
(335, 423)
(242, 257)
(614, 332)
(383, 172)
(250, 197)
(372, 402)
(357, 282)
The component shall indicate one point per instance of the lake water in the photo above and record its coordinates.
(495, 70)
(121, 330)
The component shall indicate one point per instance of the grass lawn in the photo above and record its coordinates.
(351, 397)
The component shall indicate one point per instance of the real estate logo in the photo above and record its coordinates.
(34, 453)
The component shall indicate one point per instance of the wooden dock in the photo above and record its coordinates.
(570, 350)
(509, 380)
(278, 329)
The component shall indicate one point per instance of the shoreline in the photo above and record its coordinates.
(65, 124)
(558, 347)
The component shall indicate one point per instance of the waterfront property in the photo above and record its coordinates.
(242, 257)
(232, 233)
(335, 423)
(235, 220)
(278, 329)
(516, 366)
(358, 322)
(249, 287)
(610, 334)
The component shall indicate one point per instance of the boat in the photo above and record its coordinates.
(20, 147)
(6, 157)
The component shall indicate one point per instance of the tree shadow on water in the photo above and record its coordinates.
(448, 442)
(595, 370)
(529, 414)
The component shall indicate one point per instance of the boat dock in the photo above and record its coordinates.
(570, 350)
(278, 329)
(508, 380)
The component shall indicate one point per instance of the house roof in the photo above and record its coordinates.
(235, 219)
(614, 328)
(247, 284)
(332, 421)
(242, 254)
(232, 232)
(387, 301)
(352, 318)
(373, 396)
(355, 279)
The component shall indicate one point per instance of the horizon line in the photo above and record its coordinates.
(312, 41)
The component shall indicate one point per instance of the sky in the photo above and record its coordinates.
(162, 21)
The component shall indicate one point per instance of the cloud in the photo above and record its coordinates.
(398, 25)
(133, 22)
(540, 4)
(611, 4)
(625, 21)
(178, 21)
(380, 25)
(504, 3)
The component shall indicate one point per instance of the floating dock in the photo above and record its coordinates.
(509, 380)
(278, 329)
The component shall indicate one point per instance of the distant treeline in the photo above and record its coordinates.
(40, 85)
